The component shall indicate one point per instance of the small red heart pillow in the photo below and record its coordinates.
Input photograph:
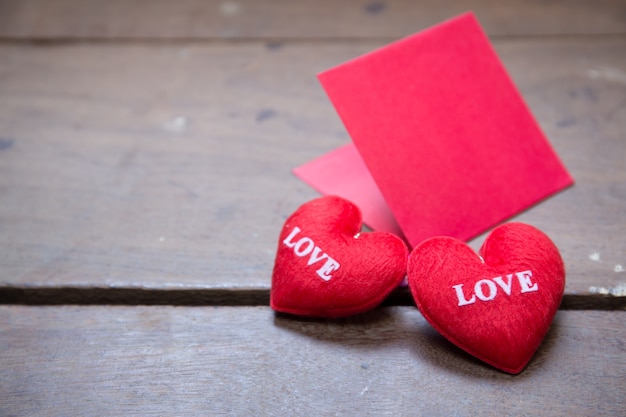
(497, 307)
(325, 268)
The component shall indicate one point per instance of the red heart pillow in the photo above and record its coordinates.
(497, 308)
(325, 268)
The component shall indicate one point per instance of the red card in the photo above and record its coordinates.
(444, 132)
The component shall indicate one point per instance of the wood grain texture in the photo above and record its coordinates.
(145, 157)
(105, 361)
(327, 19)
(169, 166)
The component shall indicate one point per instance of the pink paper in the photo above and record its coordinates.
(342, 173)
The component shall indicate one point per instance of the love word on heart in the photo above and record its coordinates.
(487, 290)
(305, 246)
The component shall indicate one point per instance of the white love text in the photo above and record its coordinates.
(487, 289)
(305, 246)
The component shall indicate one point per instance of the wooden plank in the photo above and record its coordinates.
(237, 19)
(71, 361)
(169, 166)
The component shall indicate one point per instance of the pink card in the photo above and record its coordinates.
(444, 133)
(342, 172)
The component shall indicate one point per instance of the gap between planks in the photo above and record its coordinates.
(273, 40)
(226, 297)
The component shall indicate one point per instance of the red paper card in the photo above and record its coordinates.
(444, 132)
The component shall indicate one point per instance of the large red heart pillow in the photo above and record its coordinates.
(497, 306)
(326, 268)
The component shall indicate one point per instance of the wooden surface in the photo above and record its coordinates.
(146, 150)
(279, 19)
(169, 165)
(112, 361)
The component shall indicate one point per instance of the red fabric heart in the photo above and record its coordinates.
(325, 268)
(497, 308)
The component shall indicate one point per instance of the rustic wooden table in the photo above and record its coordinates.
(145, 158)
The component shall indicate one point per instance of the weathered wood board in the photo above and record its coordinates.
(279, 19)
(168, 166)
(105, 361)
